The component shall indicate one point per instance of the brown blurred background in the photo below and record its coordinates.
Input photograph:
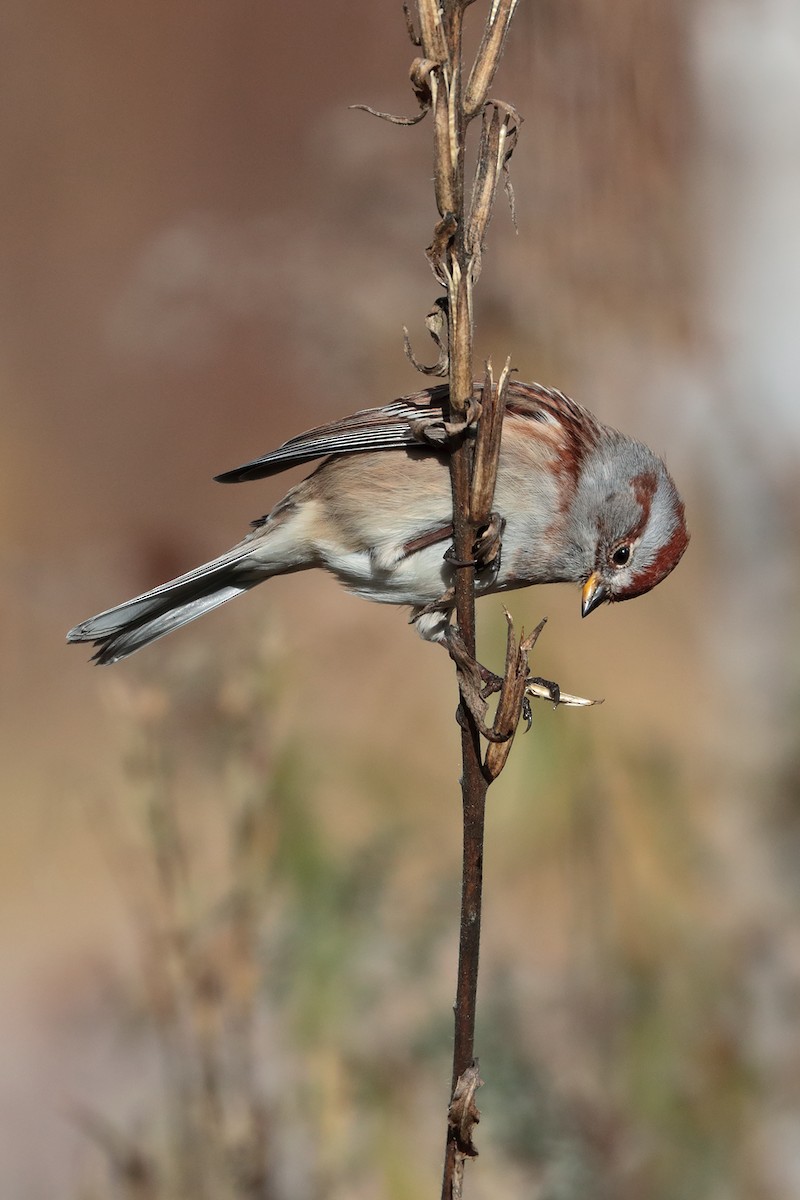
(229, 868)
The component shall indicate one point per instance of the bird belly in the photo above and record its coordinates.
(419, 578)
(371, 510)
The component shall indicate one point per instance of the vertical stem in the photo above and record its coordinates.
(457, 238)
(474, 806)
(473, 782)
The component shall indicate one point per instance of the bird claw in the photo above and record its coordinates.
(516, 689)
(485, 549)
(492, 682)
(450, 558)
(488, 544)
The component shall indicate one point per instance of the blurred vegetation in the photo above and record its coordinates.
(251, 995)
(290, 991)
(261, 956)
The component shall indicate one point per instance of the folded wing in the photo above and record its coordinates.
(405, 422)
(389, 428)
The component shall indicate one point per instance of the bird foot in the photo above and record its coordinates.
(485, 549)
(516, 688)
(488, 543)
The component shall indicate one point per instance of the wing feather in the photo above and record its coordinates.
(403, 423)
(389, 428)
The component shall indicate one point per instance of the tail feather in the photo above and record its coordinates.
(120, 631)
(116, 646)
(278, 544)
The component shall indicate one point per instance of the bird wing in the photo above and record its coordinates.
(392, 427)
(548, 405)
(404, 423)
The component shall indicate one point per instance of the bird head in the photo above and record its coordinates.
(632, 523)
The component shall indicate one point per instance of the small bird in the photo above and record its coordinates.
(577, 502)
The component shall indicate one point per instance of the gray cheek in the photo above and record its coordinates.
(539, 544)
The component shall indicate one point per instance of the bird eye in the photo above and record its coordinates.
(621, 556)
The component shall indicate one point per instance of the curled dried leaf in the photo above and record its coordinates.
(437, 252)
(436, 324)
(463, 1114)
(420, 75)
(392, 118)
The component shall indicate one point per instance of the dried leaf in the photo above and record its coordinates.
(431, 31)
(437, 252)
(436, 324)
(463, 1114)
(512, 697)
(487, 445)
(488, 57)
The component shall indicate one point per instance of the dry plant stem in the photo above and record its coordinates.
(455, 258)
(450, 129)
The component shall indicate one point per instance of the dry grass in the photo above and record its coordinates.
(290, 989)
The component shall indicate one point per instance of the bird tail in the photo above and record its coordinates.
(128, 627)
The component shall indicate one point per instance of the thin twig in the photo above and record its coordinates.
(473, 429)
(455, 257)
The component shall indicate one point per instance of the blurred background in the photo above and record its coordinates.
(229, 869)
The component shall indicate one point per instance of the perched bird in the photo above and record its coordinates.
(577, 502)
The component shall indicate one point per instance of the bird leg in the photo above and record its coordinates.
(516, 688)
(476, 683)
(470, 681)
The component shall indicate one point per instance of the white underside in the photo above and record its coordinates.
(419, 579)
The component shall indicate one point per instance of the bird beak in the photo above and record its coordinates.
(593, 595)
